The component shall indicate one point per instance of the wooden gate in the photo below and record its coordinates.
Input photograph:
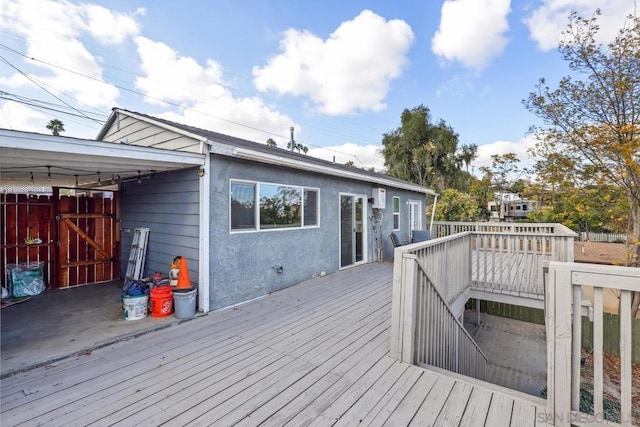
(79, 236)
(22, 217)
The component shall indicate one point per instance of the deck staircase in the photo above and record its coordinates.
(433, 280)
(521, 264)
(444, 342)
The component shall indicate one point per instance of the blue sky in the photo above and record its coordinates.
(340, 72)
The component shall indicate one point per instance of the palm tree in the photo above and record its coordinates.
(467, 154)
(55, 126)
(271, 143)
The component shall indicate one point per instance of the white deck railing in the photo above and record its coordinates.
(564, 292)
(447, 261)
(507, 258)
(447, 228)
(511, 262)
(424, 329)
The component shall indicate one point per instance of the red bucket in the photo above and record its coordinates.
(161, 301)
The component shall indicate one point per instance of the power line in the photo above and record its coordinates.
(174, 104)
(42, 87)
(50, 106)
(328, 132)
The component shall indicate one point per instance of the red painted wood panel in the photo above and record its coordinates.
(24, 216)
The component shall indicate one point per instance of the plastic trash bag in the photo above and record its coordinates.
(26, 279)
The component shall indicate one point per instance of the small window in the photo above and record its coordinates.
(280, 206)
(396, 213)
(243, 200)
(310, 208)
(524, 207)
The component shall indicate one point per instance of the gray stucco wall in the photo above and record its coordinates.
(242, 264)
(404, 233)
(168, 205)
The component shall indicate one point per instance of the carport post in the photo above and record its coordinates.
(204, 246)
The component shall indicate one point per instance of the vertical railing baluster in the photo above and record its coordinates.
(598, 378)
(576, 345)
(625, 357)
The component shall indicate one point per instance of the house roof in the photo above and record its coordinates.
(227, 145)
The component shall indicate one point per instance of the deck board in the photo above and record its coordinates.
(477, 408)
(316, 353)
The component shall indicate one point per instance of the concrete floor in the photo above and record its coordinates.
(516, 351)
(66, 322)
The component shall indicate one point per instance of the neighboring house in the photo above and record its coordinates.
(255, 219)
(510, 206)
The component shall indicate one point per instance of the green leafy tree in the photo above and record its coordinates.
(455, 205)
(55, 126)
(421, 151)
(555, 172)
(503, 174)
(594, 113)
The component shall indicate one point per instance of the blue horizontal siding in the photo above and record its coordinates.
(168, 205)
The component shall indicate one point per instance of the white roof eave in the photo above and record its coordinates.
(274, 159)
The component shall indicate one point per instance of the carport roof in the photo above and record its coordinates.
(60, 161)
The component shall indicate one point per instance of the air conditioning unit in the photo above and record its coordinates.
(379, 198)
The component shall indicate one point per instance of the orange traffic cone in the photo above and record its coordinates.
(180, 263)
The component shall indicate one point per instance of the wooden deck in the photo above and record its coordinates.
(314, 354)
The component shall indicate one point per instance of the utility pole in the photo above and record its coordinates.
(293, 143)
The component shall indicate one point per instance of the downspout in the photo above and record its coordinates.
(433, 214)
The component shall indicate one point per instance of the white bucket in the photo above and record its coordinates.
(135, 307)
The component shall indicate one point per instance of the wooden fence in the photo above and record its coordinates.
(78, 236)
(603, 237)
(22, 217)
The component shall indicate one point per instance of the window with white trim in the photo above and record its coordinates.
(396, 213)
(258, 206)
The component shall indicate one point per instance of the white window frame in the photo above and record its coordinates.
(256, 206)
(365, 230)
(420, 213)
(396, 214)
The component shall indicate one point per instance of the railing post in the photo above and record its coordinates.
(403, 306)
(396, 305)
(559, 324)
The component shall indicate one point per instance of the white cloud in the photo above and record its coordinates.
(547, 21)
(161, 64)
(472, 31)
(502, 147)
(202, 91)
(361, 155)
(349, 71)
(20, 117)
(52, 31)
